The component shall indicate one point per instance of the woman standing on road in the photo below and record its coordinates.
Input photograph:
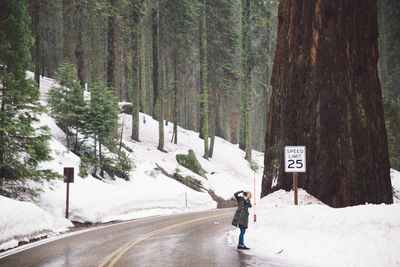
(241, 217)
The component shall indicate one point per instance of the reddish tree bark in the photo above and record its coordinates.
(326, 95)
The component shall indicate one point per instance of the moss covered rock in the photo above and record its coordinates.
(190, 161)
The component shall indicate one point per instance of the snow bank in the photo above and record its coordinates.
(149, 192)
(21, 221)
(308, 234)
(91, 200)
(94, 201)
(317, 235)
(395, 175)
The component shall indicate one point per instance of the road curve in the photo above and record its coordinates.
(193, 239)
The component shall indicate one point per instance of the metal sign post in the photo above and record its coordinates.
(295, 161)
(69, 178)
(295, 188)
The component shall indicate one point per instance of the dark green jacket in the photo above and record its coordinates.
(241, 216)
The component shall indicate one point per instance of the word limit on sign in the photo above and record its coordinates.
(295, 159)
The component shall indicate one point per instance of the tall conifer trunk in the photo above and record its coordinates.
(203, 78)
(79, 51)
(245, 124)
(159, 66)
(175, 107)
(135, 86)
(154, 18)
(213, 120)
(113, 55)
(167, 110)
(326, 95)
(36, 35)
(67, 31)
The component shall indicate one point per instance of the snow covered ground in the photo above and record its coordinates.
(148, 193)
(314, 234)
(311, 234)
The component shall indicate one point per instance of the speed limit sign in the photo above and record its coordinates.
(295, 159)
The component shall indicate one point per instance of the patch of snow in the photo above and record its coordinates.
(395, 176)
(313, 234)
(21, 220)
(148, 193)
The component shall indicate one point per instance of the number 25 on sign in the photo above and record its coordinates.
(295, 161)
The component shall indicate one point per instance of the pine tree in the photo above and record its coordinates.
(162, 78)
(66, 101)
(245, 122)
(179, 29)
(389, 47)
(50, 36)
(222, 55)
(136, 81)
(203, 76)
(158, 96)
(35, 26)
(113, 48)
(203, 72)
(22, 147)
(80, 51)
(263, 31)
(68, 33)
(101, 120)
(154, 38)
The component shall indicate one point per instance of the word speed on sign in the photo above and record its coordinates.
(295, 159)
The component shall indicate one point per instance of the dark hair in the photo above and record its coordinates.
(245, 194)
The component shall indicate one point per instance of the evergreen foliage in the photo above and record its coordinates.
(263, 31)
(389, 50)
(223, 67)
(190, 161)
(110, 41)
(389, 47)
(66, 101)
(392, 120)
(117, 166)
(22, 147)
(180, 23)
(101, 120)
(46, 25)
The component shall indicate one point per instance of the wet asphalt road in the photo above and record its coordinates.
(195, 239)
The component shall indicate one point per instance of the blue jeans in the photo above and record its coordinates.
(241, 236)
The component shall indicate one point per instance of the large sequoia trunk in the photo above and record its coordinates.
(326, 95)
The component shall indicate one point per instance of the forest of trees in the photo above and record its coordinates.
(389, 68)
(206, 65)
(222, 49)
(198, 47)
(22, 146)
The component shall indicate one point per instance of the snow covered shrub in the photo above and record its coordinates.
(190, 161)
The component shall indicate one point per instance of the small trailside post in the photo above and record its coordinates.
(69, 178)
(295, 162)
(255, 216)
